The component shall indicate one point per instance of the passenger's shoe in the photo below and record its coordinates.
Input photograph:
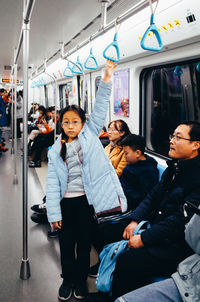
(53, 234)
(34, 164)
(80, 291)
(39, 218)
(39, 208)
(65, 291)
(93, 271)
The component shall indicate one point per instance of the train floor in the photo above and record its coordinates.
(43, 252)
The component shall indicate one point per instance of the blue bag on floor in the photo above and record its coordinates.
(108, 259)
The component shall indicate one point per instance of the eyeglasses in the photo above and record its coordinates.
(73, 123)
(178, 138)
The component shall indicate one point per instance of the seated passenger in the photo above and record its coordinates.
(158, 250)
(46, 125)
(138, 177)
(41, 142)
(140, 174)
(117, 131)
(183, 286)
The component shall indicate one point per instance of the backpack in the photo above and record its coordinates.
(108, 258)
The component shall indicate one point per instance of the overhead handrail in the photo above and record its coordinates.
(198, 67)
(178, 71)
(115, 45)
(152, 28)
(88, 61)
(78, 64)
(68, 68)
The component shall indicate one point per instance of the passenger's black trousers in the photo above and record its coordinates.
(76, 229)
(136, 267)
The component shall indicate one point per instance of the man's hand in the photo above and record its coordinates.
(57, 224)
(128, 232)
(135, 242)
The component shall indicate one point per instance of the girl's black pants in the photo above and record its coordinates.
(76, 229)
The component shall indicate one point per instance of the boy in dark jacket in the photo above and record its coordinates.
(138, 178)
(140, 174)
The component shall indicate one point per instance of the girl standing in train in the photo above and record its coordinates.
(117, 131)
(79, 175)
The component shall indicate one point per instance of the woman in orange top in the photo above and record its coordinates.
(117, 130)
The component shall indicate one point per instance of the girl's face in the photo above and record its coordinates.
(72, 125)
(114, 134)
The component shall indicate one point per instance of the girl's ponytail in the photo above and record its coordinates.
(63, 150)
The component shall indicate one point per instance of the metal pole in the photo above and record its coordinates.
(83, 93)
(15, 178)
(12, 116)
(25, 267)
(104, 5)
(55, 102)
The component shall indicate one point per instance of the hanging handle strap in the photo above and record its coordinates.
(113, 44)
(79, 66)
(152, 28)
(91, 57)
(68, 68)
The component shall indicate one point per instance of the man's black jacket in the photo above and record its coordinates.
(164, 208)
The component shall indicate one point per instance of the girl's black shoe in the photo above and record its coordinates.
(65, 291)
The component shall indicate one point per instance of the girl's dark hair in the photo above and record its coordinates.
(64, 138)
(120, 126)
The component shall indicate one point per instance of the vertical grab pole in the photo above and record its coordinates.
(83, 97)
(25, 267)
(55, 102)
(12, 117)
(15, 178)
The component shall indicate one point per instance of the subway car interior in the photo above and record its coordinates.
(53, 55)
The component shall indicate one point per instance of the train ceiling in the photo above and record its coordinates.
(52, 22)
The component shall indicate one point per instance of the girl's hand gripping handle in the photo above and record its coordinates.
(110, 66)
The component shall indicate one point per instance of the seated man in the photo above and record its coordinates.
(158, 250)
(184, 284)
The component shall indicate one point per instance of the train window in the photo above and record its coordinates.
(170, 94)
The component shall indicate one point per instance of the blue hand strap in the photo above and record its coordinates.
(68, 69)
(76, 65)
(91, 57)
(152, 28)
(178, 71)
(198, 67)
(138, 229)
(116, 46)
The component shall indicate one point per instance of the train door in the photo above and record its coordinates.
(65, 92)
(170, 94)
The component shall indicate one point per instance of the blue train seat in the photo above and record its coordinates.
(161, 169)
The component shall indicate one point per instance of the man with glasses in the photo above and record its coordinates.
(157, 251)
